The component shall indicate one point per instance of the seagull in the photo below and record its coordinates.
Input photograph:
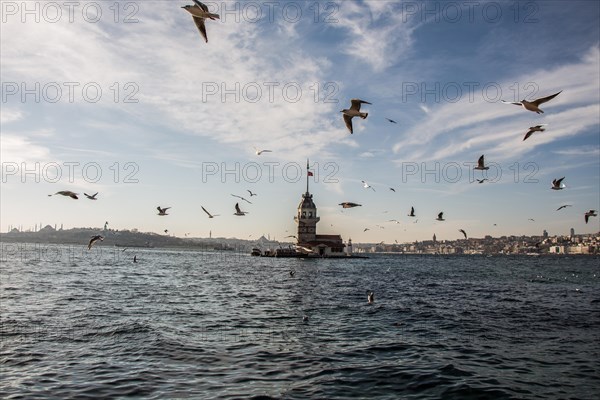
(292, 273)
(251, 194)
(367, 186)
(240, 197)
(92, 197)
(239, 212)
(199, 13)
(259, 152)
(366, 229)
(166, 231)
(94, 239)
(380, 243)
(557, 184)
(481, 164)
(591, 213)
(348, 204)
(66, 193)
(412, 212)
(370, 296)
(162, 211)
(440, 217)
(463, 232)
(531, 219)
(537, 128)
(209, 214)
(392, 121)
(134, 259)
(393, 190)
(394, 220)
(533, 105)
(291, 236)
(353, 111)
(565, 206)
(481, 180)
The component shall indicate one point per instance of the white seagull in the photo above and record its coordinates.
(370, 296)
(67, 193)
(367, 186)
(557, 184)
(259, 152)
(533, 105)
(251, 194)
(561, 207)
(240, 197)
(200, 13)
(353, 111)
(209, 214)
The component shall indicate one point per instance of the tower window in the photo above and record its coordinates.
(303, 214)
(310, 214)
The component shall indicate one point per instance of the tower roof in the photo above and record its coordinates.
(307, 201)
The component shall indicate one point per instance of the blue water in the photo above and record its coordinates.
(189, 324)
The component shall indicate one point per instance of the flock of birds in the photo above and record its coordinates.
(200, 13)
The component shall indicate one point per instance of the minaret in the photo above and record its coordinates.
(307, 215)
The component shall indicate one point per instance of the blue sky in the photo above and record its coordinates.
(163, 121)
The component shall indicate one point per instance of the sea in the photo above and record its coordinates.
(204, 324)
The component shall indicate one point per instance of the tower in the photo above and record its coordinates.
(306, 218)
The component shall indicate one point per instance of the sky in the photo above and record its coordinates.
(127, 100)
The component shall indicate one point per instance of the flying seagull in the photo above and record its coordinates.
(251, 194)
(367, 186)
(200, 13)
(94, 239)
(366, 229)
(412, 212)
(532, 129)
(162, 211)
(481, 180)
(531, 219)
(392, 121)
(557, 184)
(166, 231)
(370, 296)
(440, 217)
(591, 213)
(292, 236)
(533, 105)
(561, 207)
(348, 204)
(463, 232)
(209, 214)
(66, 193)
(240, 197)
(92, 197)
(259, 152)
(353, 111)
(239, 212)
(481, 164)
(393, 190)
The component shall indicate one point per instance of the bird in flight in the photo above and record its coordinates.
(251, 194)
(238, 211)
(463, 232)
(94, 239)
(366, 229)
(200, 13)
(440, 217)
(481, 164)
(412, 212)
(354, 111)
(481, 180)
(348, 204)
(259, 152)
(532, 129)
(209, 214)
(393, 190)
(370, 296)
(162, 211)
(533, 105)
(591, 213)
(531, 219)
(561, 207)
(92, 197)
(367, 186)
(240, 197)
(392, 121)
(557, 184)
(67, 193)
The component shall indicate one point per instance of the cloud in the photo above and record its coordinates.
(9, 115)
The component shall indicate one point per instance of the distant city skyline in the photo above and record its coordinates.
(130, 102)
